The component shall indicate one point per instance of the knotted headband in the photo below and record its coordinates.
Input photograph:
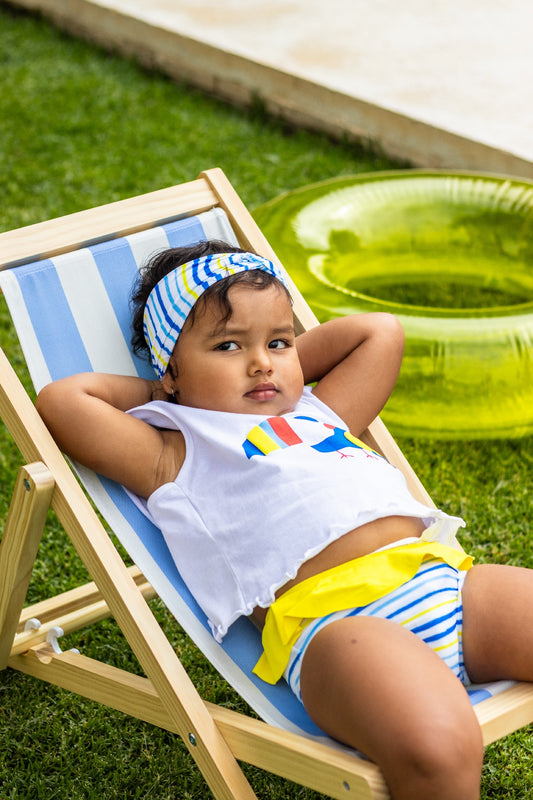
(171, 300)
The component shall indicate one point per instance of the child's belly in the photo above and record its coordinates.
(354, 544)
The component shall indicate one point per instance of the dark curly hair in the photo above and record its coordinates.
(166, 261)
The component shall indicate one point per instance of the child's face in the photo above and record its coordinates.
(246, 365)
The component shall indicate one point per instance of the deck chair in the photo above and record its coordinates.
(66, 282)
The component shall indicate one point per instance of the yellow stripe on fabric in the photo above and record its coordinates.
(223, 264)
(428, 611)
(354, 584)
(445, 646)
(189, 288)
(162, 361)
(155, 354)
(262, 440)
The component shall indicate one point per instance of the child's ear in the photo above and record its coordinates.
(169, 378)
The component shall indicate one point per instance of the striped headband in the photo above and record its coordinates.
(171, 300)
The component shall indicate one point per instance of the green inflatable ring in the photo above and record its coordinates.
(452, 256)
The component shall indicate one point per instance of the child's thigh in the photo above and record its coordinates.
(498, 623)
(375, 686)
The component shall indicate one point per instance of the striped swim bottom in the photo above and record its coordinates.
(429, 605)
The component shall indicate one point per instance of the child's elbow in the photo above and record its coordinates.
(391, 328)
(45, 400)
(59, 408)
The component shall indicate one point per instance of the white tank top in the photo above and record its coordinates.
(257, 496)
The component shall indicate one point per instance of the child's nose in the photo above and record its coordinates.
(260, 361)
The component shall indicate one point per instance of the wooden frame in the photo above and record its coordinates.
(215, 737)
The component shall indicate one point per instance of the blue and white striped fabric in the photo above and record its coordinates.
(172, 299)
(429, 605)
(72, 314)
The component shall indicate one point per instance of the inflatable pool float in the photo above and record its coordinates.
(452, 256)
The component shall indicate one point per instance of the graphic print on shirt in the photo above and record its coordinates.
(275, 433)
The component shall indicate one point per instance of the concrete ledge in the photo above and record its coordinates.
(300, 101)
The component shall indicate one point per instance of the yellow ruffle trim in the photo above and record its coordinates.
(354, 584)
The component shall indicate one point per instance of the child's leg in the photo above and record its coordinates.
(498, 623)
(376, 686)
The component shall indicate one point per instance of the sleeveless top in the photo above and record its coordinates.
(257, 496)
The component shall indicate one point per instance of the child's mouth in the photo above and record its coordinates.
(262, 392)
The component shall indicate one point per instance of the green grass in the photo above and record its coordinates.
(78, 128)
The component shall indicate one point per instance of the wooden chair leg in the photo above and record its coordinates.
(20, 541)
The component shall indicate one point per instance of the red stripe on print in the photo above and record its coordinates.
(282, 429)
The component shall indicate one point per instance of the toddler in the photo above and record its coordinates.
(273, 508)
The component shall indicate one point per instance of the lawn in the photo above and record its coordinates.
(78, 128)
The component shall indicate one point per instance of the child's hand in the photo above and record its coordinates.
(355, 361)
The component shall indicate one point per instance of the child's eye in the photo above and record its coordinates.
(225, 346)
(278, 344)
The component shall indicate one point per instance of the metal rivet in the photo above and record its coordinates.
(27, 484)
(192, 739)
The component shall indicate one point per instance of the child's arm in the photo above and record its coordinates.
(355, 361)
(85, 415)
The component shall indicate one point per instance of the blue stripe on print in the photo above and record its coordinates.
(118, 270)
(209, 273)
(251, 450)
(150, 318)
(52, 320)
(150, 329)
(201, 277)
(458, 667)
(433, 624)
(309, 633)
(411, 586)
(293, 666)
(162, 322)
(416, 600)
(153, 311)
(444, 616)
(271, 433)
(177, 290)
